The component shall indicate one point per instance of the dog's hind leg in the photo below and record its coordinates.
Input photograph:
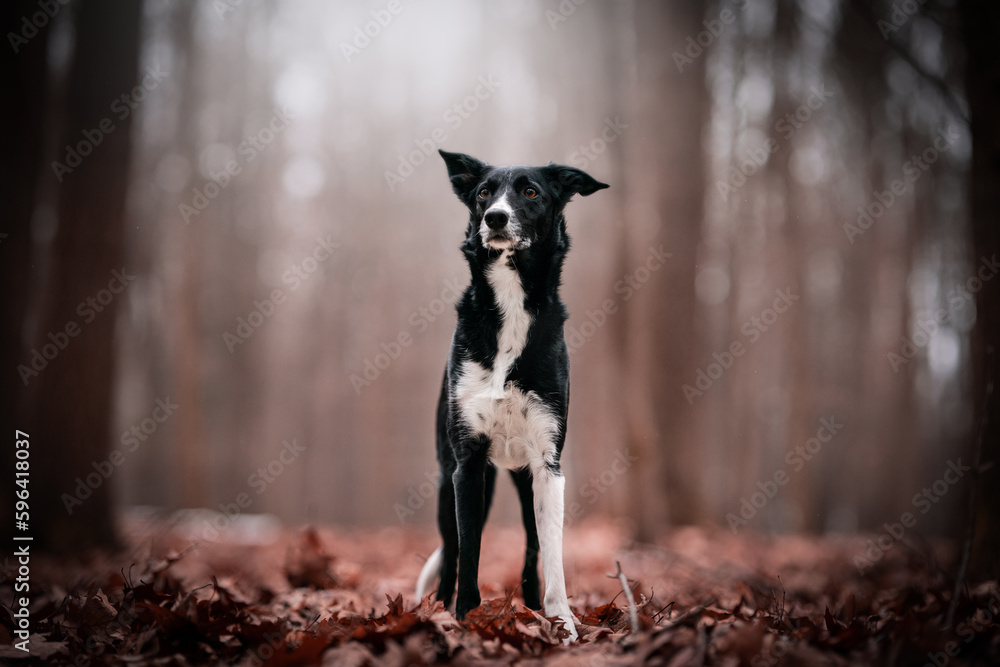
(470, 505)
(490, 486)
(449, 534)
(448, 553)
(429, 573)
(529, 575)
(549, 487)
(445, 559)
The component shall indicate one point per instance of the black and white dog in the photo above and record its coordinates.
(506, 386)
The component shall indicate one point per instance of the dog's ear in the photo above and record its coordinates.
(464, 171)
(568, 181)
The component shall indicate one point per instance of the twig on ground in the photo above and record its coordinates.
(691, 612)
(658, 616)
(781, 610)
(633, 614)
(312, 623)
(652, 594)
(970, 529)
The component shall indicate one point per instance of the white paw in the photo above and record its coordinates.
(569, 622)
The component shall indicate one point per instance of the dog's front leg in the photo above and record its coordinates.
(548, 487)
(470, 503)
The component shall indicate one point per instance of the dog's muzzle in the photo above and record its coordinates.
(500, 232)
(496, 220)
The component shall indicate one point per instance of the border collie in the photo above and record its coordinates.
(506, 385)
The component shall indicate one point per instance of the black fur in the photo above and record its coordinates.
(542, 367)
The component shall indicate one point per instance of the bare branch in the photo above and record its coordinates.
(970, 528)
(946, 92)
(633, 613)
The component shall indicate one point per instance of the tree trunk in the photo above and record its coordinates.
(187, 242)
(72, 397)
(981, 22)
(25, 84)
(665, 190)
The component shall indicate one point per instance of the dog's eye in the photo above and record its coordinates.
(530, 193)
(484, 193)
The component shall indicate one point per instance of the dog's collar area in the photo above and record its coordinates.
(501, 255)
(502, 240)
(498, 244)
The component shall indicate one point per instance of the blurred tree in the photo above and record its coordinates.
(665, 169)
(796, 232)
(70, 414)
(876, 270)
(25, 84)
(184, 276)
(981, 26)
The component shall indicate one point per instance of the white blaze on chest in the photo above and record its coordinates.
(515, 320)
(520, 427)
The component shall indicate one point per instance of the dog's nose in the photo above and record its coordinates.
(496, 219)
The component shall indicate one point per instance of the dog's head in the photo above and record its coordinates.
(514, 207)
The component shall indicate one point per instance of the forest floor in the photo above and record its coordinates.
(336, 597)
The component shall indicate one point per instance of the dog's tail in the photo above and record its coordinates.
(432, 568)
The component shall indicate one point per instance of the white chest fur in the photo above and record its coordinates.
(520, 428)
